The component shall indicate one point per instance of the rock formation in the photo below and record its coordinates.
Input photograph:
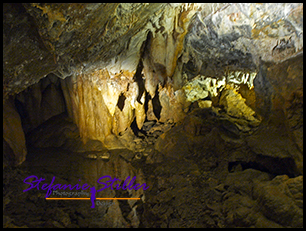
(202, 101)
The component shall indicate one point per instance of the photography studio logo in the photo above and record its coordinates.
(112, 183)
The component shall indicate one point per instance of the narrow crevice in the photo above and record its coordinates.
(121, 101)
(138, 77)
(21, 109)
(146, 104)
(156, 104)
(271, 165)
(137, 132)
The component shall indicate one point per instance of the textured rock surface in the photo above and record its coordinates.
(72, 37)
(139, 56)
(13, 135)
(202, 101)
(282, 101)
(204, 174)
(40, 102)
(281, 200)
(237, 35)
(44, 214)
(67, 38)
(235, 105)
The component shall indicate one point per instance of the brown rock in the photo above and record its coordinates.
(235, 105)
(140, 112)
(13, 133)
(278, 204)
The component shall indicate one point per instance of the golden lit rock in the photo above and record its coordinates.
(202, 102)
(235, 105)
(205, 103)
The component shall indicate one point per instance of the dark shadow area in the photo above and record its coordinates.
(121, 101)
(138, 77)
(40, 102)
(156, 104)
(274, 166)
(139, 80)
(147, 99)
(137, 132)
(21, 109)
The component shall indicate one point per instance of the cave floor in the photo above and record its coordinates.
(219, 182)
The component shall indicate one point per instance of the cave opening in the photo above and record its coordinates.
(274, 166)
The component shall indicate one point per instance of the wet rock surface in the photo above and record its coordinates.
(211, 177)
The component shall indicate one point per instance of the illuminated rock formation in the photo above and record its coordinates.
(204, 101)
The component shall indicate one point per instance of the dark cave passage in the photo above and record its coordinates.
(274, 166)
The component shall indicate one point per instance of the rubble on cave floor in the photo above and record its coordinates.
(213, 178)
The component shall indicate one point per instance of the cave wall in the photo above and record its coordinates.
(14, 146)
(70, 37)
(40, 102)
(143, 86)
(104, 107)
(156, 63)
(203, 102)
(238, 36)
(27, 110)
(279, 99)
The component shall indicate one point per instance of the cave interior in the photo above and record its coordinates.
(201, 102)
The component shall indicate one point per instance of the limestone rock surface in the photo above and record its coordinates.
(13, 134)
(201, 101)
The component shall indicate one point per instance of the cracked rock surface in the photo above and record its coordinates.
(203, 102)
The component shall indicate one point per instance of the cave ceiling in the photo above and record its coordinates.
(207, 38)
